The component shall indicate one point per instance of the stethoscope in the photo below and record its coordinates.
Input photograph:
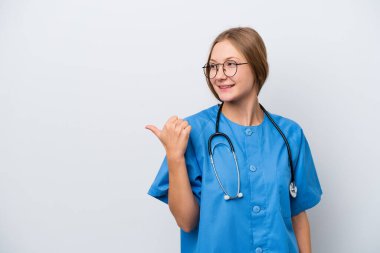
(292, 185)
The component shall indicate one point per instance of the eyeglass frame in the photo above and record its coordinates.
(217, 68)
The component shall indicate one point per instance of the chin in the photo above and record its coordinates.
(225, 98)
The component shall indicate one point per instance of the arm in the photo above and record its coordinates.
(181, 200)
(302, 231)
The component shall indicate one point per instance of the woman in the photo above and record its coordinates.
(254, 201)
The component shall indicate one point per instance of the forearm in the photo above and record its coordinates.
(302, 231)
(181, 200)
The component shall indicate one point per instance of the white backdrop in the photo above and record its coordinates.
(79, 80)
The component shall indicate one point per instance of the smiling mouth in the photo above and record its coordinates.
(225, 87)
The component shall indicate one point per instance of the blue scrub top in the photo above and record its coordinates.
(261, 220)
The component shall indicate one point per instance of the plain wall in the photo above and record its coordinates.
(79, 80)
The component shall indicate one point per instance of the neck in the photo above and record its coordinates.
(247, 113)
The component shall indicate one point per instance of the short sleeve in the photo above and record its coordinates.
(160, 185)
(309, 190)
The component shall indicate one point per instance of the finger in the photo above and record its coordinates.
(171, 122)
(178, 123)
(172, 119)
(154, 130)
(184, 124)
(186, 130)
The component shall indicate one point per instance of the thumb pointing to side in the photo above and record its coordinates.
(154, 130)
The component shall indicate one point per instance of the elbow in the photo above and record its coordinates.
(187, 223)
(187, 230)
(187, 227)
(190, 224)
(187, 218)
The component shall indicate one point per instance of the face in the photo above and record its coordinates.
(235, 88)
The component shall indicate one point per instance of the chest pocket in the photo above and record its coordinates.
(224, 165)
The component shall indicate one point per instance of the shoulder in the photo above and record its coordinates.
(292, 131)
(290, 127)
(202, 119)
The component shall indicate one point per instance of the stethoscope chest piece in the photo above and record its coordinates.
(293, 189)
(228, 197)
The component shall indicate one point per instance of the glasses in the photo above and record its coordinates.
(229, 68)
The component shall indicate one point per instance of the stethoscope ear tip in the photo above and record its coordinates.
(228, 197)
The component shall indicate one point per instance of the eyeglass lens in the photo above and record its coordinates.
(229, 69)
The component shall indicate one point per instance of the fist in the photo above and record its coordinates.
(174, 135)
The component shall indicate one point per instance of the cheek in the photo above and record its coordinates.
(246, 79)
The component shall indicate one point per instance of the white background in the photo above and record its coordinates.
(79, 80)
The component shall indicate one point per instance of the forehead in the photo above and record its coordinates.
(223, 50)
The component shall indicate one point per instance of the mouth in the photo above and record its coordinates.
(225, 87)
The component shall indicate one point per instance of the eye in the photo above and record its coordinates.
(231, 64)
(212, 66)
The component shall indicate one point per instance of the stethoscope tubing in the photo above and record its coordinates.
(292, 186)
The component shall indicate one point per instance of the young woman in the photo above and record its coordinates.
(247, 187)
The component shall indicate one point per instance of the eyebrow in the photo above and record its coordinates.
(226, 58)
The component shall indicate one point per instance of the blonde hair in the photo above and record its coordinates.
(250, 44)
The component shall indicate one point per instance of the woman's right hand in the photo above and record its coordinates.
(174, 136)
